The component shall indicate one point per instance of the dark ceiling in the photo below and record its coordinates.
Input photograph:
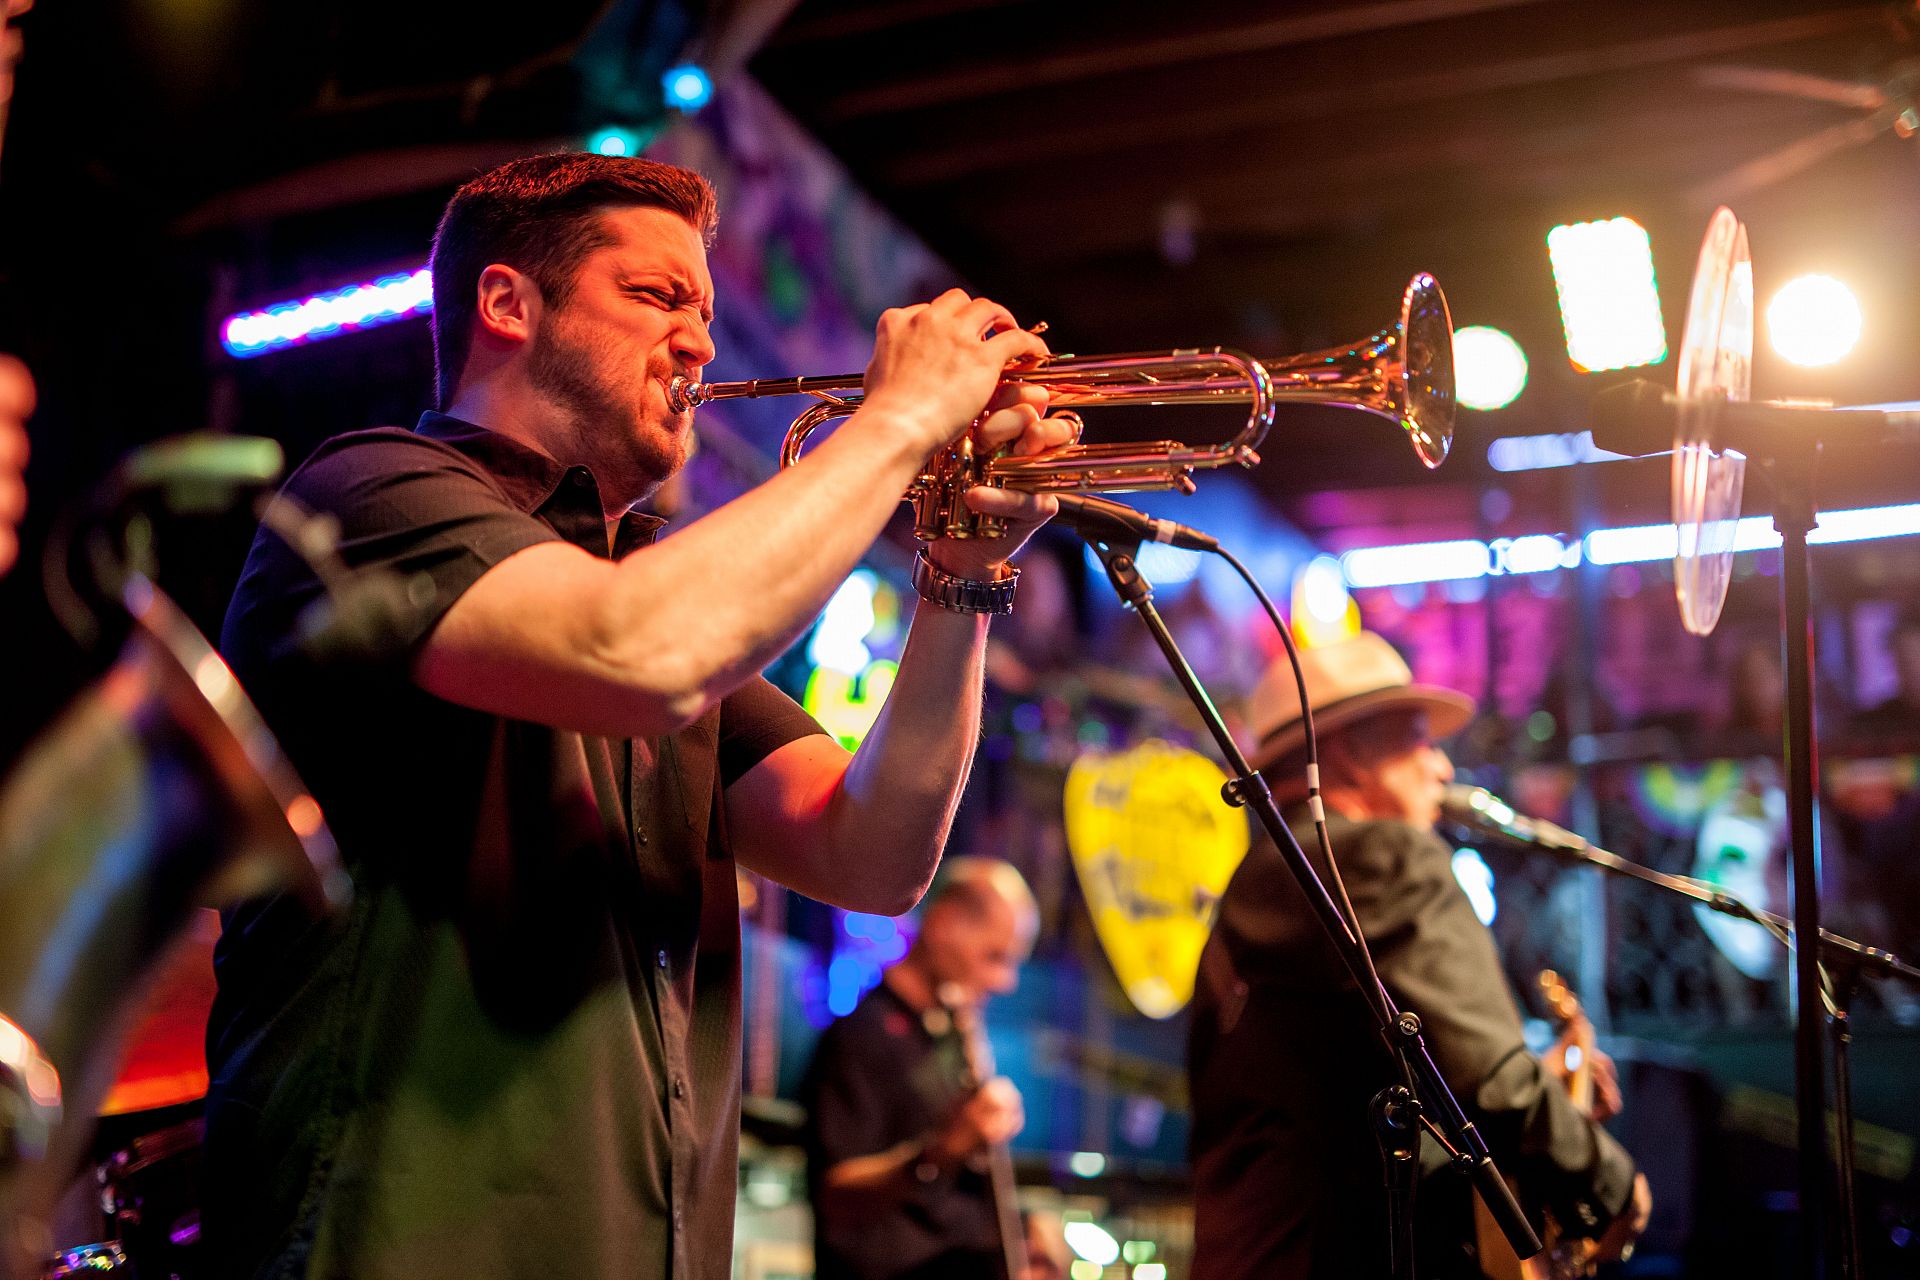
(1310, 157)
(1139, 174)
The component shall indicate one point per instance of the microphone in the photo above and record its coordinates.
(1637, 419)
(1479, 811)
(1099, 518)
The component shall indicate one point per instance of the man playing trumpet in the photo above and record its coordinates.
(521, 1047)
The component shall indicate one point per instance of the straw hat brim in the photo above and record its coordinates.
(1447, 713)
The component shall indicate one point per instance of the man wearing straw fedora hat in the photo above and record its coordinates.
(1283, 1056)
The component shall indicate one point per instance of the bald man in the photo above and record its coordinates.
(897, 1138)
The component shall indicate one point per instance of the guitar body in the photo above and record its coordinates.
(1560, 1258)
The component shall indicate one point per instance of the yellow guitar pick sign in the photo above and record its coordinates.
(1154, 846)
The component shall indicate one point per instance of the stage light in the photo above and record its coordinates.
(1609, 299)
(1093, 1243)
(1163, 566)
(1813, 320)
(1087, 1164)
(615, 142)
(687, 87)
(1323, 609)
(326, 315)
(1538, 453)
(1475, 878)
(839, 638)
(1150, 1271)
(1866, 524)
(1489, 368)
(1534, 553)
(1416, 562)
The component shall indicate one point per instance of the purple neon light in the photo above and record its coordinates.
(328, 315)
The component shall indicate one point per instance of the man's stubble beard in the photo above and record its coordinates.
(604, 409)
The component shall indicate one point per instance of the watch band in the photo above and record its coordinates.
(962, 595)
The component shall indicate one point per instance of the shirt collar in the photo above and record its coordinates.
(567, 497)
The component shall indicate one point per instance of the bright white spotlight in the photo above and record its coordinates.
(1489, 368)
(1814, 320)
(1092, 1242)
(1609, 298)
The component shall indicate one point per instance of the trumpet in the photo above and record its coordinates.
(1403, 373)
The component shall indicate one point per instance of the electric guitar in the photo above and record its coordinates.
(1562, 1258)
(1006, 1203)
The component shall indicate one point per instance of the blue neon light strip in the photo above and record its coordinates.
(328, 315)
(1462, 559)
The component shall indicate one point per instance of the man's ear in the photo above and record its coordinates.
(507, 304)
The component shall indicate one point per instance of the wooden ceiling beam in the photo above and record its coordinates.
(1022, 73)
(1444, 160)
(972, 158)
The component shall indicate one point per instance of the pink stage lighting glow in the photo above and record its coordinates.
(328, 315)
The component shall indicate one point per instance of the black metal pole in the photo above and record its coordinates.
(1794, 517)
(1845, 976)
(1395, 1113)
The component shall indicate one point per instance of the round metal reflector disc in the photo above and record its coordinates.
(1716, 366)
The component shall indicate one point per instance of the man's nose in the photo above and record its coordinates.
(1442, 765)
(693, 343)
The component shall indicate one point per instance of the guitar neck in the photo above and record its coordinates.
(1001, 1184)
(1580, 1079)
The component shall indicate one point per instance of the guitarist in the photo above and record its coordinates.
(1283, 1056)
(901, 1131)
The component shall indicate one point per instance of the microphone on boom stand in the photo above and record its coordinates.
(1480, 811)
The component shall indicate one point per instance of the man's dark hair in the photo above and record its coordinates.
(541, 215)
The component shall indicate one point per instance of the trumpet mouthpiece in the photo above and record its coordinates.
(683, 393)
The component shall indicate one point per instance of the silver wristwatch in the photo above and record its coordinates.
(962, 595)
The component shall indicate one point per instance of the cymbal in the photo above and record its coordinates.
(166, 1059)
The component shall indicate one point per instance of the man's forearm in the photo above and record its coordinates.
(897, 800)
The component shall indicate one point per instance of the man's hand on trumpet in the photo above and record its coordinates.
(936, 370)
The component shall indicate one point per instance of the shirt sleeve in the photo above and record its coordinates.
(756, 720)
(1440, 962)
(419, 509)
(418, 523)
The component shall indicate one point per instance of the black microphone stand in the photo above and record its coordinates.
(1795, 515)
(1424, 1096)
(1843, 960)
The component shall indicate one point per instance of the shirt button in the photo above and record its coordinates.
(662, 957)
(679, 1087)
(580, 477)
(639, 836)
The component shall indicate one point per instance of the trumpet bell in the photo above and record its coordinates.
(1425, 370)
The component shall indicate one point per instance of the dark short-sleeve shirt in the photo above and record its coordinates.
(883, 1075)
(1283, 1058)
(517, 1052)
